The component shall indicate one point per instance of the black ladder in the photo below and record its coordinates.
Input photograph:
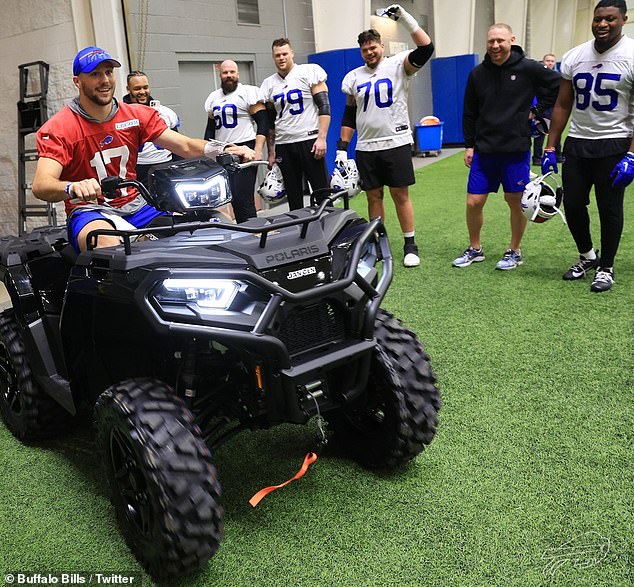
(32, 113)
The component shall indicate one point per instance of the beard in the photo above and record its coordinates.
(99, 99)
(229, 86)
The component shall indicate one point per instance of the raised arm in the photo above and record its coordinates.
(424, 46)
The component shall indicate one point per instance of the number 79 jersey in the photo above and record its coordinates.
(297, 116)
(381, 97)
(603, 84)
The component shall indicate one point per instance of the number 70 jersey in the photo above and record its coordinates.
(381, 98)
(603, 84)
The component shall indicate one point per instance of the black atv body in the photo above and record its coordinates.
(205, 330)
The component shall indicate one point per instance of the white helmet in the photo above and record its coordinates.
(542, 198)
(345, 176)
(272, 188)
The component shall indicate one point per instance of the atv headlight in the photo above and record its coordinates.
(205, 293)
(211, 193)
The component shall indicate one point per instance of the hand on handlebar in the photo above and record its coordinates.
(242, 151)
(84, 190)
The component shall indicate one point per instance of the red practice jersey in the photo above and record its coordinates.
(88, 149)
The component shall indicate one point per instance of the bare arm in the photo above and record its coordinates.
(561, 112)
(260, 140)
(319, 148)
(188, 147)
(421, 39)
(48, 186)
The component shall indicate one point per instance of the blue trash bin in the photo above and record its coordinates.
(429, 138)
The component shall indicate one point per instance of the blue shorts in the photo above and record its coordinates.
(489, 170)
(80, 218)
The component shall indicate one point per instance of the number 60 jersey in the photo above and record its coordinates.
(297, 116)
(231, 113)
(604, 90)
(381, 97)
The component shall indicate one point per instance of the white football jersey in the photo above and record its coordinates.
(381, 97)
(230, 112)
(151, 154)
(297, 115)
(604, 92)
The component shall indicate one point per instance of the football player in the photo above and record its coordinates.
(376, 106)
(598, 91)
(298, 96)
(236, 114)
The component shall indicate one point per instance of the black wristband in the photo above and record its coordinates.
(342, 145)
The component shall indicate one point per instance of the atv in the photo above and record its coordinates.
(196, 329)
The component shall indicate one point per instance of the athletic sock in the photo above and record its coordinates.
(590, 255)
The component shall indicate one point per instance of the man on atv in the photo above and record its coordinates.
(96, 136)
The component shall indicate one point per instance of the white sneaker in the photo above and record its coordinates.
(411, 260)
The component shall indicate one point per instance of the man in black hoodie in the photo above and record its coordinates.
(497, 134)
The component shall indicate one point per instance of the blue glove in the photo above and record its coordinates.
(623, 173)
(549, 161)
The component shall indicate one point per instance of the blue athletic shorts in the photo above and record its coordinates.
(489, 170)
(139, 219)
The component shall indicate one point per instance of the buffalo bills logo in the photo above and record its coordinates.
(106, 140)
(597, 66)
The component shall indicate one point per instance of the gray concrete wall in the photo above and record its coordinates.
(34, 31)
(176, 32)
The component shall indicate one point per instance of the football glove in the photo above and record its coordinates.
(549, 161)
(623, 172)
(341, 158)
(398, 13)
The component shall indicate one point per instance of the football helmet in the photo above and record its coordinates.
(345, 176)
(542, 198)
(272, 188)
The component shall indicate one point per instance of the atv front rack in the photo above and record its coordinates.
(257, 334)
(191, 227)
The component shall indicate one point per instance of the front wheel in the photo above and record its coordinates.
(163, 485)
(28, 411)
(397, 416)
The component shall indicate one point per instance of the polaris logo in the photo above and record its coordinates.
(301, 273)
(292, 254)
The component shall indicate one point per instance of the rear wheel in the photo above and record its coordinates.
(397, 417)
(163, 485)
(27, 410)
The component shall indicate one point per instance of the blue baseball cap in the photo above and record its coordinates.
(87, 59)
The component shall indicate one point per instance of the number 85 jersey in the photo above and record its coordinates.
(603, 84)
(381, 97)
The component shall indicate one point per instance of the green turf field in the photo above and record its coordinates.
(530, 480)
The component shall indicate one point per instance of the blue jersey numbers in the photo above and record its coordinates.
(382, 93)
(295, 102)
(584, 83)
(226, 116)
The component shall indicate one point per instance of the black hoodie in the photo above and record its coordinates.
(498, 99)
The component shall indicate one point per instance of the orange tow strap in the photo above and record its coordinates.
(309, 459)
